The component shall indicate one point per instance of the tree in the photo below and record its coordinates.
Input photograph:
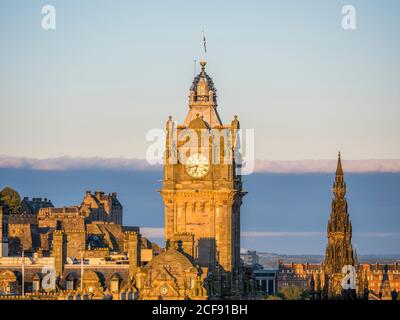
(11, 198)
(273, 297)
(294, 293)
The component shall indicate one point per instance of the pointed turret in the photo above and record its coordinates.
(356, 262)
(339, 186)
(339, 169)
(203, 99)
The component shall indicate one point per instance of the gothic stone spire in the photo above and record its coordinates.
(339, 251)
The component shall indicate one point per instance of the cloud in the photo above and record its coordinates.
(152, 232)
(261, 166)
(327, 166)
(377, 234)
(280, 234)
(256, 234)
(70, 163)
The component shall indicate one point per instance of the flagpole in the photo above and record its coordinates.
(23, 273)
(82, 272)
(202, 44)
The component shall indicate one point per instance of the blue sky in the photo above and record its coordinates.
(112, 70)
(284, 213)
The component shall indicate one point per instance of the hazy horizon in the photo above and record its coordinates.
(282, 213)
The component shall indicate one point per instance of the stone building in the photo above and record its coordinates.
(32, 206)
(323, 281)
(373, 280)
(103, 207)
(201, 191)
(4, 215)
(84, 251)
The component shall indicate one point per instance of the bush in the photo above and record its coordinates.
(273, 297)
(294, 293)
(11, 198)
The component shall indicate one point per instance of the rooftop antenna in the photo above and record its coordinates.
(203, 44)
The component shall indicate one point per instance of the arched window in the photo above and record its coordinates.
(114, 283)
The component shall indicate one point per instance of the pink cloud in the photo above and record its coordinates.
(264, 166)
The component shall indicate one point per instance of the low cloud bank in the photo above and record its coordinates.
(159, 233)
(262, 166)
(327, 166)
(70, 163)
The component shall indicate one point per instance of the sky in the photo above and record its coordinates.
(282, 213)
(112, 70)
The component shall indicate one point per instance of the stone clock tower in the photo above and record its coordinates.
(202, 191)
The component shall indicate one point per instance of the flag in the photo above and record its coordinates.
(203, 39)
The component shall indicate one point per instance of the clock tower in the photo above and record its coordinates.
(202, 192)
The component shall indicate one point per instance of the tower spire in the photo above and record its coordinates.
(339, 169)
(339, 251)
(203, 68)
(339, 187)
(203, 53)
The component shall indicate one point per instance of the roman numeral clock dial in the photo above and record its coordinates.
(197, 166)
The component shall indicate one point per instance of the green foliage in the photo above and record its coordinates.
(294, 293)
(273, 297)
(11, 197)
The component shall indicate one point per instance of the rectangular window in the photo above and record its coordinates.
(70, 285)
(270, 286)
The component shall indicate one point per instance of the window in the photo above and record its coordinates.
(36, 285)
(270, 286)
(115, 285)
(70, 285)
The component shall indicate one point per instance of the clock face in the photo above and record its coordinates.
(197, 166)
(163, 290)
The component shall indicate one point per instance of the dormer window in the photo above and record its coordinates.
(70, 282)
(36, 283)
